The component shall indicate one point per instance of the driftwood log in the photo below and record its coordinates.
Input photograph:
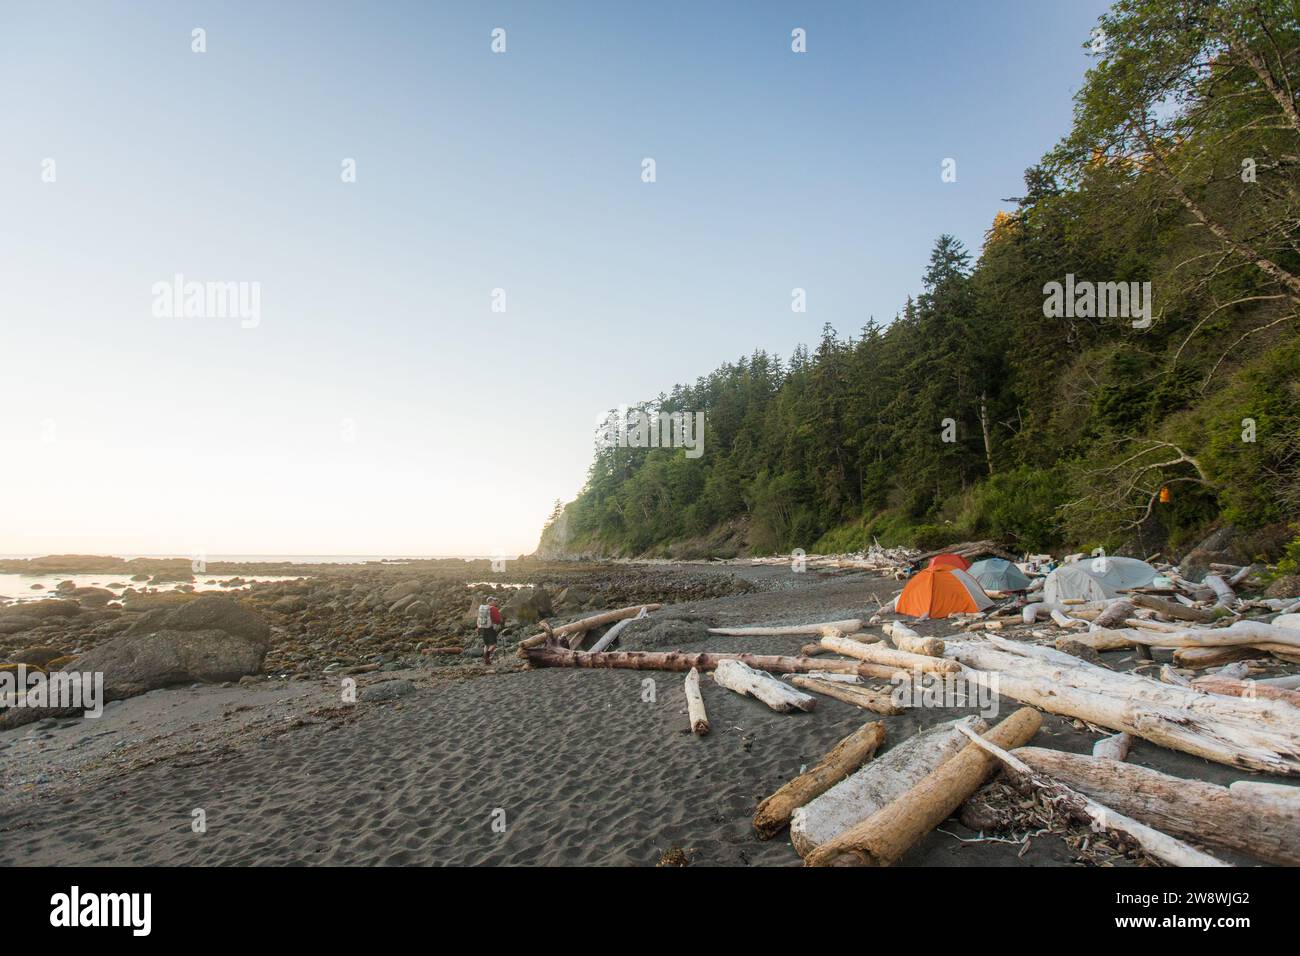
(1172, 609)
(779, 630)
(1114, 747)
(845, 757)
(609, 636)
(883, 838)
(889, 657)
(554, 656)
(1154, 842)
(1261, 825)
(877, 701)
(695, 703)
(586, 624)
(876, 785)
(1255, 734)
(762, 686)
(906, 639)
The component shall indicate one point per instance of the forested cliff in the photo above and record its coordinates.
(999, 404)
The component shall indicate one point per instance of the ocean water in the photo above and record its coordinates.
(18, 587)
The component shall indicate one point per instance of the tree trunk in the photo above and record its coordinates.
(695, 703)
(877, 701)
(748, 682)
(887, 656)
(1259, 826)
(1154, 842)
(845, 757)
(586, 624)
(884, 837)
(988, 437)
(876, 785)
(704, 660)
(906, 639)
(1259, 735)
(846, 627)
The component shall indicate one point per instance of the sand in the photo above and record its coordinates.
(476, 767)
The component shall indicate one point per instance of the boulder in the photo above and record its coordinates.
(399, 591)
(35, 656)
(1286, 586)
(92, 597)
(388, 690)
(528, 606)
(210, 639)
(41, 609)
(290, 604)
(419, 610)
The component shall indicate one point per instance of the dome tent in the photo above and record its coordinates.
(949, 561)
(1096, 579)
(938, 592)
(999, 574)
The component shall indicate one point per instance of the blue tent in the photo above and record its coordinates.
(998, 574)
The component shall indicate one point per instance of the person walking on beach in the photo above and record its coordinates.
(489, 625)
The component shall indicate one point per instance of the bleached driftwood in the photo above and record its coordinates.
(1263, 825)
(1063, 620)
(762, 686)
(906, 639)
(1114, 747)
(695, 703)
(1160, 845)
(586, 624)
(876, 785)
(1256, 734)
(888, 656)
(845, 757)
(1172, 609)
(1222, 591)
(1213, 684)
(883, 838)
(1115, 613)
(779, 630)
(607, 638)
(880, 702)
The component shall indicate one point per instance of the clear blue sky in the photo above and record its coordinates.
(380, 406)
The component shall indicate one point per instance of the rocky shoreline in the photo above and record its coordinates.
(340, 617)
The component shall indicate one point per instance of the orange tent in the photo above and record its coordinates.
(937, 592)
(950, 561)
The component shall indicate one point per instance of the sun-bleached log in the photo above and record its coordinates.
(586, 624)
(1214, 684)
(780, 630)
(1172, 609)
(1062, 620)
(1114, 614)
(888, 656)
(608, 637)
(1291, 681)
(555, 656)
(906, 639)
(1199, 657)
(876, 785)
(1264, 826)
(695, 703)
(845, 757)
(1114, 747)
(1255, 734)
(883, 838)
(878, 701)
(748, 682)
(1222, 590)
(1102, 817)
(812, 650)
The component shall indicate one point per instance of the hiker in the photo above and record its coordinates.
(489, 625)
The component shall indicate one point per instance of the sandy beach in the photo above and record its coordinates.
(466, 764)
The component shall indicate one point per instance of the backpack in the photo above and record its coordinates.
(484, 615)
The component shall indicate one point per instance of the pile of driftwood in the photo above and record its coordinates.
(865, 804)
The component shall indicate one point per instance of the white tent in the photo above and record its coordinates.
(1096, 579)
